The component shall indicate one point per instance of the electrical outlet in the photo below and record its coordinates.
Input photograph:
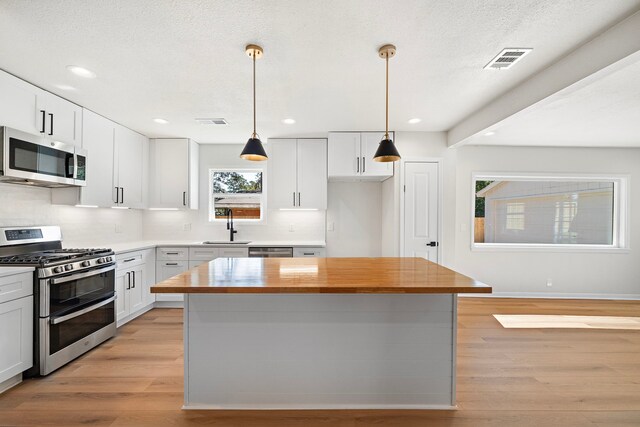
(187, 227)
(549, 283)
(118, 228)
(331, 226)
(291, 227)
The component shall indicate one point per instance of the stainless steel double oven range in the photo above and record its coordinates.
(74, 294)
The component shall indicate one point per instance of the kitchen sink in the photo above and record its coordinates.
(226, 242)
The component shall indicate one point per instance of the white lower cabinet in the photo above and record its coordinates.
(16, 326)
(134, 277)
(309, 252)
(167, 269)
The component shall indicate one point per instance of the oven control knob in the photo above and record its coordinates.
(109, 259)
(68, 267)
(100, 260)
(86, 263)
(58, 269)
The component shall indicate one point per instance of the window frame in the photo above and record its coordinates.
(621, 214)
(263, 196)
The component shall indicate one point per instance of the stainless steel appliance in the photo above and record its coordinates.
(74, 294)
(272, 252)
(34, 160)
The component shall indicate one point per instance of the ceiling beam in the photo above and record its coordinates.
(607, 52)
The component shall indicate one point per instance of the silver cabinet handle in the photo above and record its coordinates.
(60, 319)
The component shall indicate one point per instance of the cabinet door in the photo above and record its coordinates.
(166, 270)
(136, 292)
(234, 252)
(149, 275)
(129, 148)
(203, 253)
(343, 154)
(18, 104)
(369, 143)
(282, 191)
(16, 337)
(170, 173)
(97, 139)
(312, 173)
(122, 294)
(62, 119)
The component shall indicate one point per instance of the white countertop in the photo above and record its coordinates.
(149, 244)
(10, 271)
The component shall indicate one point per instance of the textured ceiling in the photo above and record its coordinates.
(180, 60)
(603, 113)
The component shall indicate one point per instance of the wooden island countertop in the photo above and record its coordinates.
(320, 275)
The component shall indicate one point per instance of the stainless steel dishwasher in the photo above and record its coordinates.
(270, 252)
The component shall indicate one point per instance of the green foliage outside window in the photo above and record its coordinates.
(480, 200)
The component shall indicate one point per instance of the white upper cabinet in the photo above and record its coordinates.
(59, 119)
(174, 173)
(18, 102)
(297, 175)
(117, 166)
(129, 170)
(351, 156)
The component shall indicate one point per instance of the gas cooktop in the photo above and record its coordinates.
(43, 258)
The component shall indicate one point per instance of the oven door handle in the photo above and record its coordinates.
(81, 275)
(60, 319)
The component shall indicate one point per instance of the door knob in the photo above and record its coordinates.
(432, 244)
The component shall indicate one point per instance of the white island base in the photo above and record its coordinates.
(320, 351)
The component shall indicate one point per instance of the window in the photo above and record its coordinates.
(235, 191)
(529, 211)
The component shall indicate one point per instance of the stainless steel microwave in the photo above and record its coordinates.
(34, 160)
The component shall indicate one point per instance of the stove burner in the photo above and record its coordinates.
(56, 255)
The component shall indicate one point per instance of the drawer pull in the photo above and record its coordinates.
(170, 263)
(129, 260)
(308, 253)
(172, 253)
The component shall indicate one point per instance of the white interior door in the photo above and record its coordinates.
(421, 209)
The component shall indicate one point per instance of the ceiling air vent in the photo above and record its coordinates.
(208, 121)
(507, 58)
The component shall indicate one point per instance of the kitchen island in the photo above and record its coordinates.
(320, 333)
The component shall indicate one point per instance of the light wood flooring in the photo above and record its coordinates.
(506, 377)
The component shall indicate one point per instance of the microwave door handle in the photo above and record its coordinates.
(60, 319)
(81, 275)
(70, 166)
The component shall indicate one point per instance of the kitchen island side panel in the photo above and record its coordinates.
(312, 351)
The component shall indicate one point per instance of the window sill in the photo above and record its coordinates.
(498, 247)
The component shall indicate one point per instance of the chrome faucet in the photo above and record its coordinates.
(230, 224)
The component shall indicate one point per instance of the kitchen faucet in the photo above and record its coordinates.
(230, 224)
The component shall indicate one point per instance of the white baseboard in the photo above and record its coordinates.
(132, 316)
(11, 382)
(550, 295)
(278, 407)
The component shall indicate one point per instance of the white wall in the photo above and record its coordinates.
(572, 273)
(278, 225)
(354, 210)
(27, 206)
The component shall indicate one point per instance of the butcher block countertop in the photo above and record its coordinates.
(320, 275)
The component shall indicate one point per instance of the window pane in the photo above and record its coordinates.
(544, 212)
(237, 182)
(242, 207)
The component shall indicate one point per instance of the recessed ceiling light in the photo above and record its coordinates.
(288, 121)
(66, 87)
(161, 121)
(415, 120)
(489, 133)
(81, 71)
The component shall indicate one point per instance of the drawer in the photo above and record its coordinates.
(309, 252)
(16, 286)
(203, 253)
(178, 254)
(233, 252)
(129, 259)
(168, 269)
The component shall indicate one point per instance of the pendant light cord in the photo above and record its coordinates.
(386, 128)
(254, 96)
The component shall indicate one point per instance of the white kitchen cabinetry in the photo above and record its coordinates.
(117, 166)
(174, 173)
(200, 255)
(133, 284)
(18, 102)
(171, 261)
(16, 327)
(309, 252)
(350, 156)
(297, 175)
(59, 119)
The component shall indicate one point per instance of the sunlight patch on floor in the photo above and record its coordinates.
(532, 321)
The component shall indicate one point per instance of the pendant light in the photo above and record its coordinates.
(253, 149)
(387, 151)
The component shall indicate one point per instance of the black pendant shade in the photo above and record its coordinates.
(253, 150)
(386, 152)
